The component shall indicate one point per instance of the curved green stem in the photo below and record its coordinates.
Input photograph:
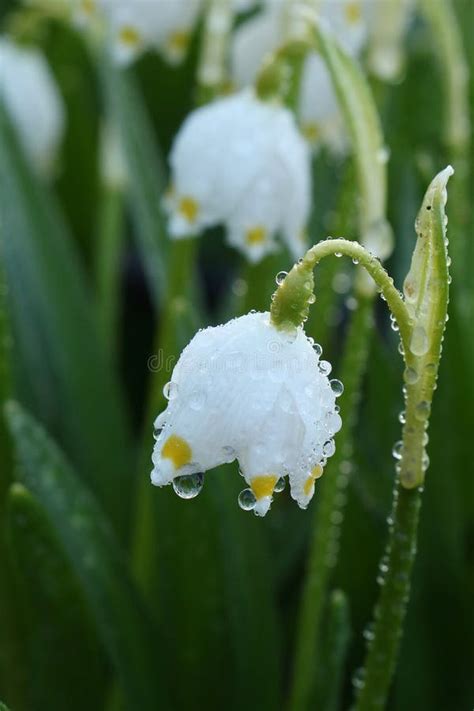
(290, 303)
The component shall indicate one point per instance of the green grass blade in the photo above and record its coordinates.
(127, 632)
(56, 615)
(63, 373)
(147, 176)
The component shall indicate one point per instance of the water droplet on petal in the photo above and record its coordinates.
(337, 387)
(329, 448)
(189, 485)
(170, 390)
(402, 417)
(280, 277)
(325, 367)
(280, 485)
(247, 500)
(229, 453)
(318, 349)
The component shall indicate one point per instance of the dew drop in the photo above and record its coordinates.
(338, 254)
(402, 418)
(157, 431)
(280, 277)
(337, 387)
(318, 349)
(397, 449)
(280, 485)
(422, 410)
(247, 500)
(410, 376)
(311, 299)
(325, 367)
(189, 485)
(170, 390)
(229, 453)
(197, 400)
(329, 448)
(419, 341)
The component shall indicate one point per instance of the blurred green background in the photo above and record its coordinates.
(204, 615)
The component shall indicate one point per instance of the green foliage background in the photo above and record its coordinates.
(114, 594)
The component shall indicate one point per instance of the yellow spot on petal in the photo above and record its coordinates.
(263, 485)
(256, 235)
(311, 131)
(88, 7)
(189, 208)
(352, 12)
(178, 41)
(129, 36)
(178, 450)
(316, 472)
(308, 485)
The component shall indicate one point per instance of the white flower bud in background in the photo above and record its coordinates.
(388, 25)
(32, 101)
(251, 392)
(318, 109)
(137, 25)
(241, 162)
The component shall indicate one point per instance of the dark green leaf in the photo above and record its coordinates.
(127, 632)
(56, 615)
(62, 372)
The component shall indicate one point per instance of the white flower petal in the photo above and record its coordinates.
(32, 99)
(248, 391)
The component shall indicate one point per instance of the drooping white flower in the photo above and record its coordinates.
(318, 109)
(137, 25)
(251, 392)
(388, 24)
(33, 102)
(241, 162)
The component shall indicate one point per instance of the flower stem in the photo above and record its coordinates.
(211, 72)
(389, 614)
(328, 514)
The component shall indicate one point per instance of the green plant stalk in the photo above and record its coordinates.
(430, 309)
(211, 74)
(336, 642)
(328, 515)
(109, 253)
(169, 341)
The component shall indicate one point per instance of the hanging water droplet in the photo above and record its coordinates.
(397, 449)
(338, 254)
(157, 431)
(325, 367)
(337, 387)
(311, 299)
(402, 417)
(280, 485)
(170, 390)
(189, 485)
(410, 375)
(280, 277)
(401, 348)
(419, 341)
(318, 349)
(247, 500)
(355, 260)
(425, 461)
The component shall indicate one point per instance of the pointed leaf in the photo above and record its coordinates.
(56, 616)
(127, 632)
(61, 369)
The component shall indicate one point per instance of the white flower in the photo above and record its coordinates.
(137, 25)
(251, 392)
(33, 102)
(388, 23)
(318, 107)
(242, 162)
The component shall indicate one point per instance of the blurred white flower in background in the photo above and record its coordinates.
(355, 23)
(241, 162)
(32, 100)
(248, 391)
